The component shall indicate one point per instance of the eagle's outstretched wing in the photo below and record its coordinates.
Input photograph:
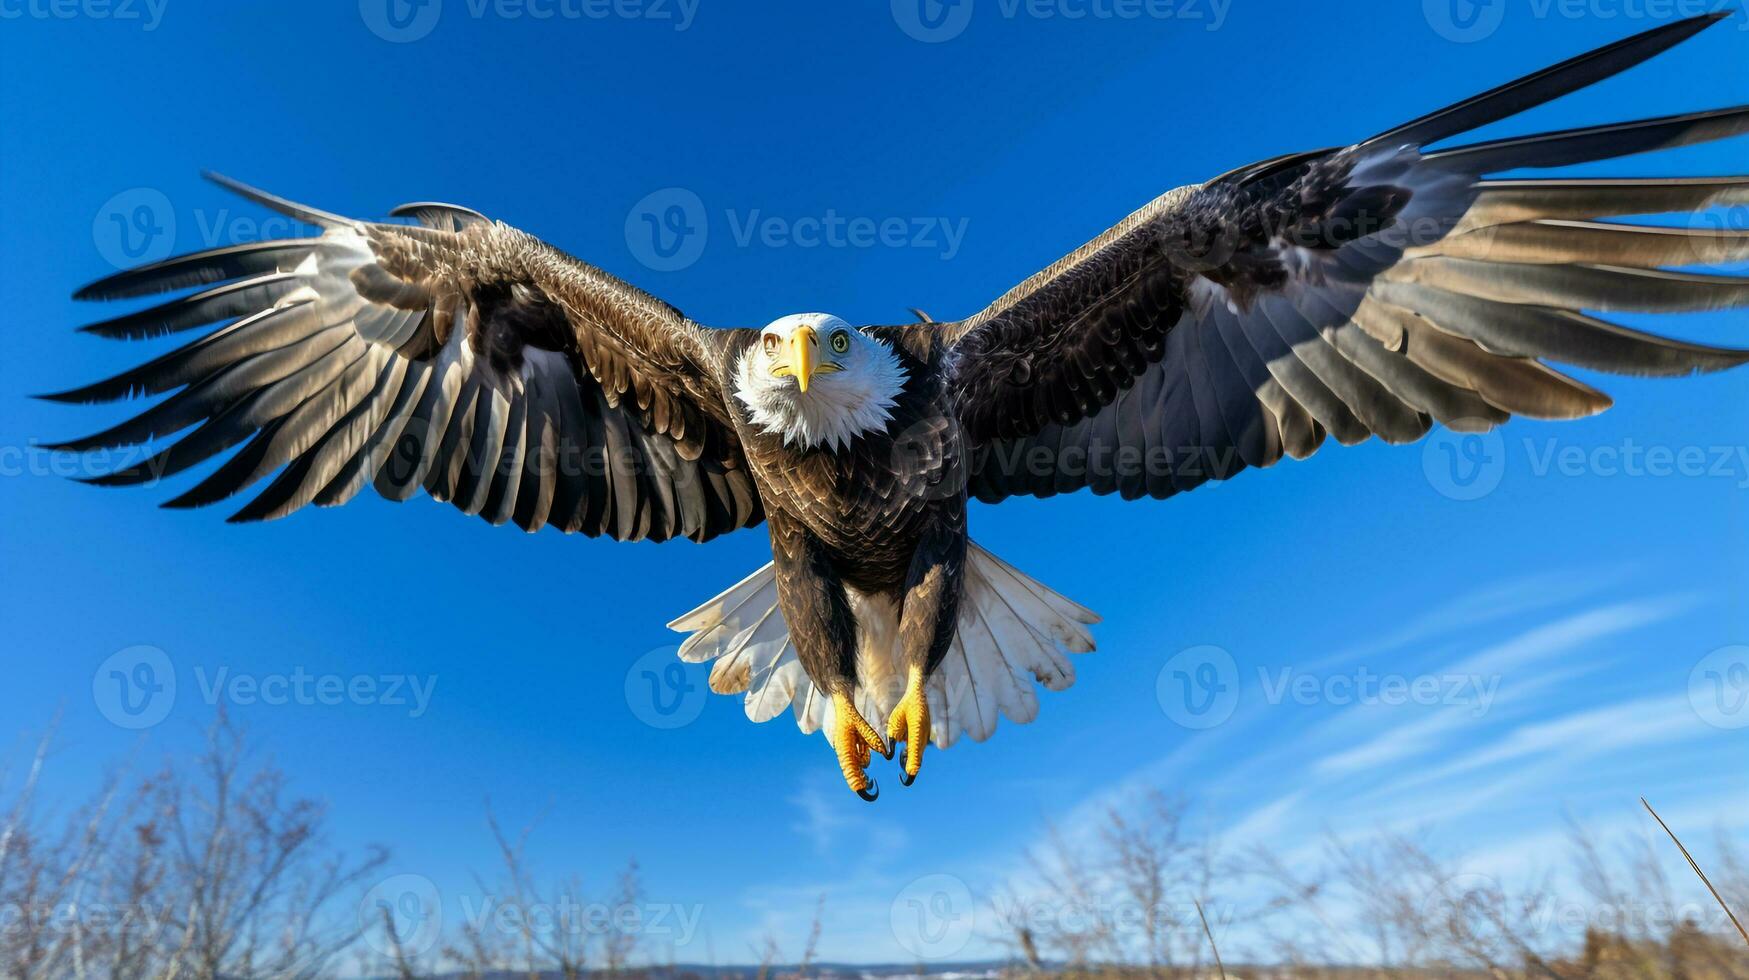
(459, 355)
(1366, 290)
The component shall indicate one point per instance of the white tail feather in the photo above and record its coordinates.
(1013, 631)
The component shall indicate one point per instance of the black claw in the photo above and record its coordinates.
(888, 752)
(872, 793)
(905, 778)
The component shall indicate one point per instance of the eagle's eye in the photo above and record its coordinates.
(841, 342)
(771, 343)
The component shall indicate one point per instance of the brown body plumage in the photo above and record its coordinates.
(885, 516)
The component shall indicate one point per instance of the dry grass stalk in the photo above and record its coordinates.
(1696, 868)
(1216, 949)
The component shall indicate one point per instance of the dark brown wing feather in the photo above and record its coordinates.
(1367, 290)
(459, 356)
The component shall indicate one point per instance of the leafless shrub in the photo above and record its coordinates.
(1125, 896)
(1387, 905)
(515, 926)
(770, 956)
(1731, 876)
(217, 870)
(215, 874)
(1067, 924)
(812, 946)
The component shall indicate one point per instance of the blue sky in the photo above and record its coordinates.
(1553, 638)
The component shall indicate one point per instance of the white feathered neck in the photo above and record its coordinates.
(837, 407)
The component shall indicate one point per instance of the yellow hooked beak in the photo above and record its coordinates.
(803, 350)
(802, 358)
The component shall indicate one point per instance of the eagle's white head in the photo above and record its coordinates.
(818, 381)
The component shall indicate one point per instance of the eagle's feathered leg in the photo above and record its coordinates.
(927, 621)
(822, 626)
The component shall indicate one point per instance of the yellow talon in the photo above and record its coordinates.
(855, 741)
(910, 724)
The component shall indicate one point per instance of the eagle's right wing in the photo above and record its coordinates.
(459, 355)
(1359, 291)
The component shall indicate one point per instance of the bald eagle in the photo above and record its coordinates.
(1371, 289)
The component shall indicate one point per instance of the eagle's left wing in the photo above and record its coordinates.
(458, 355)
(1367, 290)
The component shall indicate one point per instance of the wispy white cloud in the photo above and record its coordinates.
(823, 821)
(1586, 734)
(1514, 655)
(1488, 603)
(1444, 730)
(1535, 850)
(1397, 743)
(818, 821)
(1266, 822)
(1569, 633)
